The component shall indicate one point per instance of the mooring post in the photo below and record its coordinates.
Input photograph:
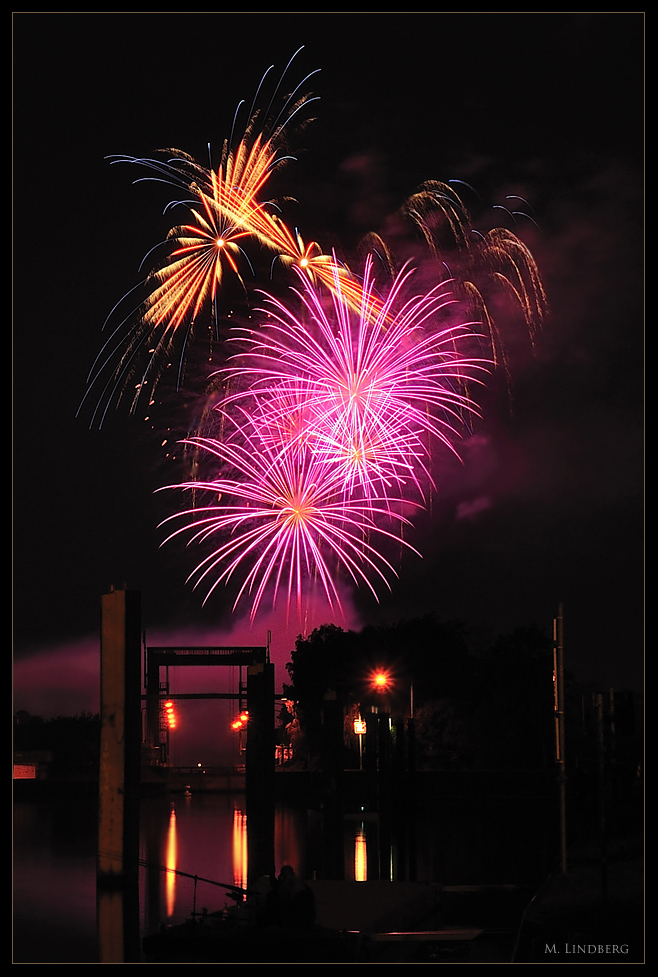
(260, 769)
(119, 778)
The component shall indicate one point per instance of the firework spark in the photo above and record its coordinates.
(494, 263)
(286, 520)
(326, 447)
(370, 389)
(225, 208)
(310, 260)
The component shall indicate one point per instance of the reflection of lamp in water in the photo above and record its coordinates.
(170, 861)
(240, 849)
(360, 856)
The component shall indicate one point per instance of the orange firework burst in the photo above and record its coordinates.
(497, 262)
(315, 265)
(228, 210)
(225, 208)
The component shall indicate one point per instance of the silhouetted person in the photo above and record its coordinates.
(293, 902)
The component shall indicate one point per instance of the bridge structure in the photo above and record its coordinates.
(258, 691)
(260, 751)
(122, 740)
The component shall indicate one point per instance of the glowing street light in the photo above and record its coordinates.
(381, 680)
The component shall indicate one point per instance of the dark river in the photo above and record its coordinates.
(492, 839)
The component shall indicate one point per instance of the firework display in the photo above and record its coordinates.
(332, 405)
(327, 439)
(368, 390)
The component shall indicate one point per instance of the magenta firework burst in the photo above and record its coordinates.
(370, 389)
(326, 442)
(280, 519)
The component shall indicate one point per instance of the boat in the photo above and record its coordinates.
(352, 921)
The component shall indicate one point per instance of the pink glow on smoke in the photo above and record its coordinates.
(64, 679)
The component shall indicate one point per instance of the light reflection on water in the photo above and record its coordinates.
(54, 882)
(189, 842)
(171, 863)
(240, 860)
(204, 836)
(360, 855)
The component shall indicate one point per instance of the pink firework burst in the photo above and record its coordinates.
(282, 518)
(324, 448)
(368, 391)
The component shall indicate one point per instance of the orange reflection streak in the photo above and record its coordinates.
(171, 859)
(287, 835)
(240, 849)
(360, 856)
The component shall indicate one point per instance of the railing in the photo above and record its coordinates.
(250, 652)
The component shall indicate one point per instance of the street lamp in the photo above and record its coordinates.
(381, 680)
(360, 730)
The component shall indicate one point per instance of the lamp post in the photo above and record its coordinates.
(360, 730)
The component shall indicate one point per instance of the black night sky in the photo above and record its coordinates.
(548, 505)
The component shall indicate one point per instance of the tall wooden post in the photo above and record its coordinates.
(600, 745)
(260, 770)
(119, 777)
(332, 754)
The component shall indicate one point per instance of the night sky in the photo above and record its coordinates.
(547, 506)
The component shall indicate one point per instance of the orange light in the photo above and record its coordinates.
(381, 680)
(170, 715)
(240, 721)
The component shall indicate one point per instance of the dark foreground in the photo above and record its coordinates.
(359, 922)
(593, 914)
